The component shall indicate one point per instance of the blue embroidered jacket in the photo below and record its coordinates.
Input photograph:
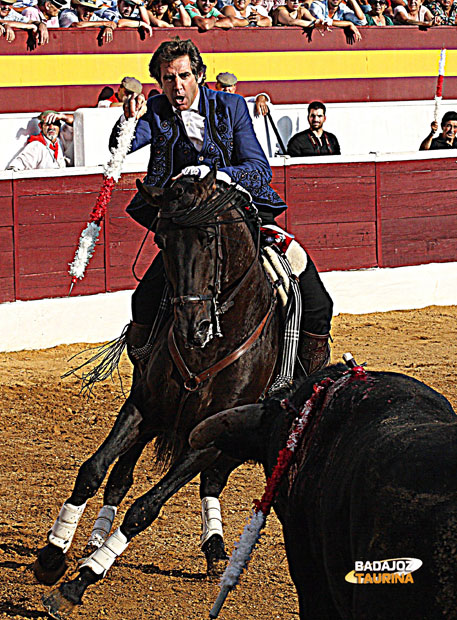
(229, 142)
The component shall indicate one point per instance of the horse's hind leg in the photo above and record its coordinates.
(212, 482)
(139, 516)
(50, 564)
(119, 482)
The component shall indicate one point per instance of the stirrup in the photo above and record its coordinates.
(280, 383)
(313, 352)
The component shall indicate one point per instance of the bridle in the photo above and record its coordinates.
(208, 214)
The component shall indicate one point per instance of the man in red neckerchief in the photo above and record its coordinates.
(314, 141)
(45, 150)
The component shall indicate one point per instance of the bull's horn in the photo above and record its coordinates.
(227, 424)
(151, 194)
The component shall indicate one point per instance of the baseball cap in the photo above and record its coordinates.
(132, 85)
(226, 79)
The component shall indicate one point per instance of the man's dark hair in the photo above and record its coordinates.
(449, 116)
(316, 105)
(176, 48)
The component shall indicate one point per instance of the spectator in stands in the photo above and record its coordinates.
(9, 19)
(447, 137)
(47, 150)
(127, 14)
(204, 15)
(46, 12)
(415, 15)
(109, 99)
(445, 10)
(166, 13)
(227, 82)
(243, 13)
(269, 5)
(82, 15)
(314, 141)
(376, 15)
(339, 15)
(295, 14)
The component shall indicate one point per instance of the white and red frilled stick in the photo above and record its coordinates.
(439, 84)
(112, 174)
(251, 533)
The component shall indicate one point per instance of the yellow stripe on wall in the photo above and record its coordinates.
(85, 69)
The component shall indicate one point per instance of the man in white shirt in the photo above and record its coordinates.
(227, 83)
(46, 150)
(82, 15)
(9, 19)
(339, 15)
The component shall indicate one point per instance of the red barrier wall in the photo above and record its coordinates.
(348, 215)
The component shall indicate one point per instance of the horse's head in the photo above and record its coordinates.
(188, 233)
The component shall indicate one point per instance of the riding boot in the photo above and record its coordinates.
(313, 351)
(136, 338)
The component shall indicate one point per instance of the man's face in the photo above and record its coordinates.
(123, 93)
(205, 6)
(178, 82)
(50, 131)
(226, 89)
(125, 7)
(241, 4)
(333, 4)
(446, 4)
(293, 5)
(450, 131)
(51, 9)
(4, 9)
(84, 13)
(316, 118)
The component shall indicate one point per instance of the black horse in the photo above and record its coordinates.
(219, 349)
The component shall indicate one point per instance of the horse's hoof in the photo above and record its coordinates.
(56, 605)
(216, 558)
(50, 565)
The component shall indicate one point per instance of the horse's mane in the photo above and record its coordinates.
(225, 198)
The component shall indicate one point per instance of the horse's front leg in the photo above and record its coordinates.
(212, 483)
(119, 483)
(50, 564)
(139, 516)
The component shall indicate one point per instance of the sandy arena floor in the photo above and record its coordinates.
(49, 430)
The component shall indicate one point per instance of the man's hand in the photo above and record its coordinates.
(108, 32)
(42, 34)
(352, 34)
(434, 127)
(261, 107)
(144, 29)
(135, 106)
(7, 32)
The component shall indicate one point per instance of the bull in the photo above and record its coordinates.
(374, 480)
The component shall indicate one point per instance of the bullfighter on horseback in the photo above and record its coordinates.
(191, 129)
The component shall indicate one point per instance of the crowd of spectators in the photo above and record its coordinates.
(39, 15)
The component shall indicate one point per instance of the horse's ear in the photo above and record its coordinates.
(152, 195)
(208, 183)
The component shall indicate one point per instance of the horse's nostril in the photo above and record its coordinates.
(204, 325)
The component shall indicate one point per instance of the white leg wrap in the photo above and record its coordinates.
(102, 559)
(64, 528)
(102, 526)
(211, 518)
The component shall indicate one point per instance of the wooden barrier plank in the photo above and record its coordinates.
(413, 241)
(6, 290)
(57, 284)
(328, 171)
(50, 260)
(45, 236)
(80, 184)
(6, 210)
(421, 204)
(336, 259)
(413, 182)
(6, 252)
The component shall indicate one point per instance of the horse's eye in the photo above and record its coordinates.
(160, 241)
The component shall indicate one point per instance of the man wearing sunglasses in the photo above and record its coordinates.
(376, 15)
(127, 14)
(46, 150)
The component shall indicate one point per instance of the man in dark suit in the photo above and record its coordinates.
(314, 141)
(191, 129)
